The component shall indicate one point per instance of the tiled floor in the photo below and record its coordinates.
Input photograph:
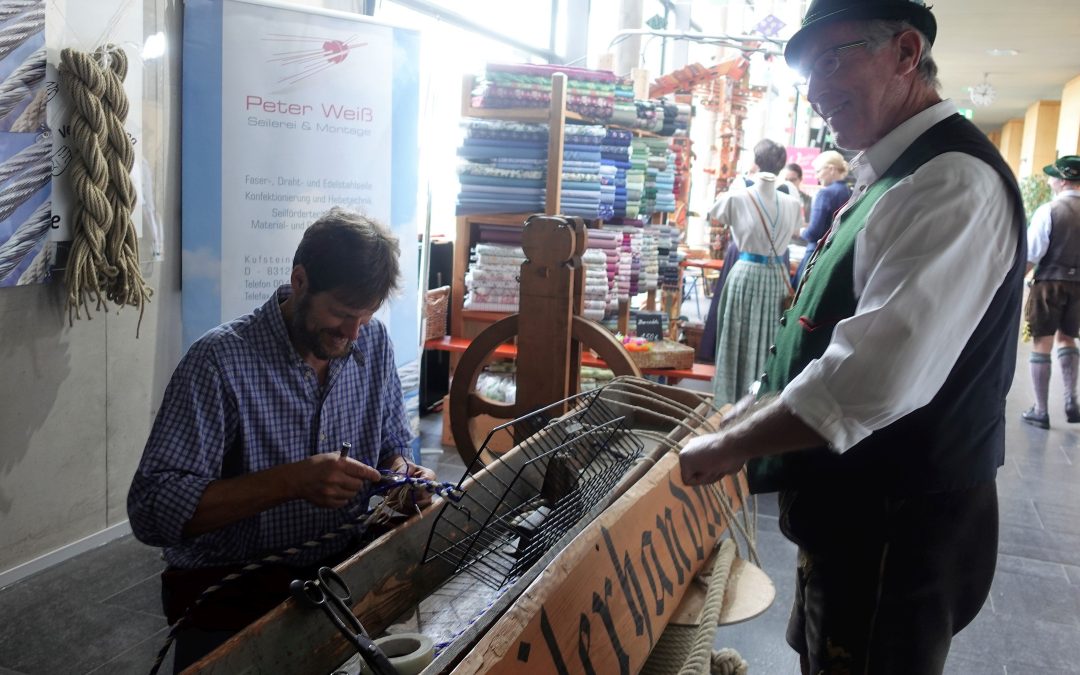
(99, 613)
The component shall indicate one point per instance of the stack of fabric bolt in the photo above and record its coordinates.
(635, 178)
(625, 112)
(682, 119)
(589, 92)
(492, 281)
(668, 254)
(615, 152)
(504, 169)
(607, 242)
(650, 263)
(581, 189)
(648, 118)
(671, 115)
(663, 160)
(596, 284)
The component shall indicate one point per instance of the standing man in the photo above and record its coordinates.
(271, 431)
(1053, 306)
(887, 427)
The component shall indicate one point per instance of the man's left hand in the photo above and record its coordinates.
(411, 496)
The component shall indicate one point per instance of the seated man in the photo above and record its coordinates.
(272, 429)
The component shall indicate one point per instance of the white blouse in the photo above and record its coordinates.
(782, 213)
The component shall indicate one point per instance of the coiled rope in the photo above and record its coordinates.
(15, 87)
(685, 650)
(104, 258)
(355, 526)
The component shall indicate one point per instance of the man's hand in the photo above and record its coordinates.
(329, 480)
(707, 459)
(403, 497)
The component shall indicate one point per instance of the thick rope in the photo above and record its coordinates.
(22, 29)
(104, 259)
(39, 268)
(24, 186)
(700, 657)
(14, 89)
(353, 527)
(32, 118)
(25, 239)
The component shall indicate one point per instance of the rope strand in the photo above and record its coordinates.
(21, 81)
(25, 27)
(25, 239)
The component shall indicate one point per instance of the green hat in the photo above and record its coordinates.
(1066, 168)
(825, 12)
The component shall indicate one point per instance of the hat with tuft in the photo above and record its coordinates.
(1066, 168)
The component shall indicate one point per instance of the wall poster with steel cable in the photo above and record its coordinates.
(290, 110)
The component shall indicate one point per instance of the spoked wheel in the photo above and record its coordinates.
(466, 404)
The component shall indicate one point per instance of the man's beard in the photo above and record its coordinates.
(311, 340)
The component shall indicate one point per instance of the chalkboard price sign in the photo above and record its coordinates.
(649, 325)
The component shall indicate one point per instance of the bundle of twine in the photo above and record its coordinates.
(104, 260)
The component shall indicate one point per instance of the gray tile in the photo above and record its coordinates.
(1059, 517)
(138, 659)
(1054, 491)
(99, 573)
(1016, 511)
(1022, 668)
(1034, 568)
(1003, 638)
(8, 671)
(1025, 596)
(961, 664)
(1054, 466)
(71, 636)
(144, 597)
(1073, 572)
(1039, 544)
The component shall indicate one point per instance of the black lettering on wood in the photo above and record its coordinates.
(627, 576)
(584, 643)
(694, 528)
(671, 538)
(552, 644)
(662, 587)
(600, 606)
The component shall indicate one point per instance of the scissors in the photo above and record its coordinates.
(330, 592)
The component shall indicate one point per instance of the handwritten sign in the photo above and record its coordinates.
(603, 603)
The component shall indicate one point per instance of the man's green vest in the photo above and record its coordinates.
(955, 441)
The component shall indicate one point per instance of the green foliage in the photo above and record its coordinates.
(1035, 192)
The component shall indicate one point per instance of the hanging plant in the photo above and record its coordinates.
(1035, 192)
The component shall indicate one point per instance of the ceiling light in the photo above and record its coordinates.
(1002, 52)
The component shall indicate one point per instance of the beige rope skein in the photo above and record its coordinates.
(104, 258)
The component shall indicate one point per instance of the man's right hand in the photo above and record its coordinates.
(329, 480)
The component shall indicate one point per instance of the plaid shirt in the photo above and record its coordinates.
(241, 401)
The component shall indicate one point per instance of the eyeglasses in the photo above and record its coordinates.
(828, 62)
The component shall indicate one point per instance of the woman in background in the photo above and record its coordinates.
(831, 170)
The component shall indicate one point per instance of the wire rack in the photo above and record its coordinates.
(521, 501)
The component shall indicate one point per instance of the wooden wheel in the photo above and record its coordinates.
(466, 404)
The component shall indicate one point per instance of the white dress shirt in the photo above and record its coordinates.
(1038, 234)
(933, 253)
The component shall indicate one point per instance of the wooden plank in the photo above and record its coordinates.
(602, 604)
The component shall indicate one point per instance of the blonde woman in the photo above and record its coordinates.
(831, 170)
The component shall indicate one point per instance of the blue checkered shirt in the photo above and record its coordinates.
(241, 401)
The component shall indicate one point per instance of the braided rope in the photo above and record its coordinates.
(39, 150)
(21, 80)
(32, 117)
(355, 526)
(700, 657)
(38, 270)
(22, 29)
(104, 259)
(25, 239)
(12, 8)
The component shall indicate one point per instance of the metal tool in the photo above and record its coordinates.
(345, 448)
(330, 592)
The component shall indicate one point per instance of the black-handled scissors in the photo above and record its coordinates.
(330, 592)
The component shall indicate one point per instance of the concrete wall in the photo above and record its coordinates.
(1040, 137)
(76, 402)
(1012, 137)
(1068, 136)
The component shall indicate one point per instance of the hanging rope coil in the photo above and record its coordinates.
(392, 481)
(22, 29)
(104, 259)
(14, 89)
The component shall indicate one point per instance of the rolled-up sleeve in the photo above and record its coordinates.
(933, 254)
(183, 453)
